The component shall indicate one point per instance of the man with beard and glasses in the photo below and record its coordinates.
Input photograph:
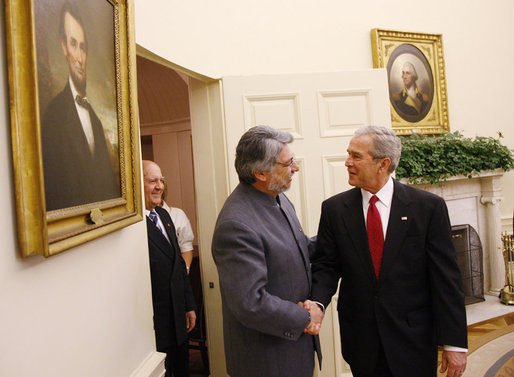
(76, 160)
(262, 256)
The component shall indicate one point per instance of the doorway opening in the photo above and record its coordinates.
(165, 123)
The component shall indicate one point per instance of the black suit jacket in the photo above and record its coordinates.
(171, 292)
(73, 175)
(417, 302)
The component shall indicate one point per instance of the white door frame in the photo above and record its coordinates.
(211, 190)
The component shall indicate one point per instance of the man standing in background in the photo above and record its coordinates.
(173, 300)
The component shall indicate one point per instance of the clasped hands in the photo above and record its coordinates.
(316, 316)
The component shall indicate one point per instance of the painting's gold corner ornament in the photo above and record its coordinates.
(96, 216)
(416, 79)
(507, 293)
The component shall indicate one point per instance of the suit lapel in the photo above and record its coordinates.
(297, 233)
(353, 218)
(400, 218)
(158, 238)
(172, 246)
(168, 225)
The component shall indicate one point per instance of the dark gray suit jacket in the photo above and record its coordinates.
(262, 258)
(73, 175)
(172, 296)
(417, 302)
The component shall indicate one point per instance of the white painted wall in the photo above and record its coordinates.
(85, 312)
(242, 37)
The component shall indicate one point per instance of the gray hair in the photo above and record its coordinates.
(258, 150)
(385, 144)
(412, 70)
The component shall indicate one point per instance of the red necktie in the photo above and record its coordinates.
(375, 234)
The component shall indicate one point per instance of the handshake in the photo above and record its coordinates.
(316, 316)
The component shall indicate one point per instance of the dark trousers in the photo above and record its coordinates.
(177, 361)
(381, 368)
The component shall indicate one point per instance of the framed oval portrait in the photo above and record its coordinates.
(411, 83)
(414, 65)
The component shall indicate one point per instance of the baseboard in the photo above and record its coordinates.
(152, 366)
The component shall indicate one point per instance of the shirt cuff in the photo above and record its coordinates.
(321, 306)
(455, 349)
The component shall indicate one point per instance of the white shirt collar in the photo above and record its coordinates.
(385, 194)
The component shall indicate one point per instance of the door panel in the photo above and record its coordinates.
(322, 111)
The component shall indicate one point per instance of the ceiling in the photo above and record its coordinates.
(162, 94)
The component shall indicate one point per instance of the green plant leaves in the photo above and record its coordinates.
(433, 159)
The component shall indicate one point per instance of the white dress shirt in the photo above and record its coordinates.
(383, 204)
(183, 228)
(85, 118)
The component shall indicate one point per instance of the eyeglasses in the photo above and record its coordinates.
(153, 181)
(288, 164)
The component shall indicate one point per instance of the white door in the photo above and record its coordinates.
(322, 111)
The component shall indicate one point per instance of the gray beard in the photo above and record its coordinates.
(277, 186)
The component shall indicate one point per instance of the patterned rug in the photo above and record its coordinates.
(491, 348)
(503, 367)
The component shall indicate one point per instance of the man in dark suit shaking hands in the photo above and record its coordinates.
(400, 294)
(173, 300)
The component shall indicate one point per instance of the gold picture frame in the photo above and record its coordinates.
(423, 108)
(58, 213)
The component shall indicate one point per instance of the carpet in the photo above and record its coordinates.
(503, 367)
(491, 348)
